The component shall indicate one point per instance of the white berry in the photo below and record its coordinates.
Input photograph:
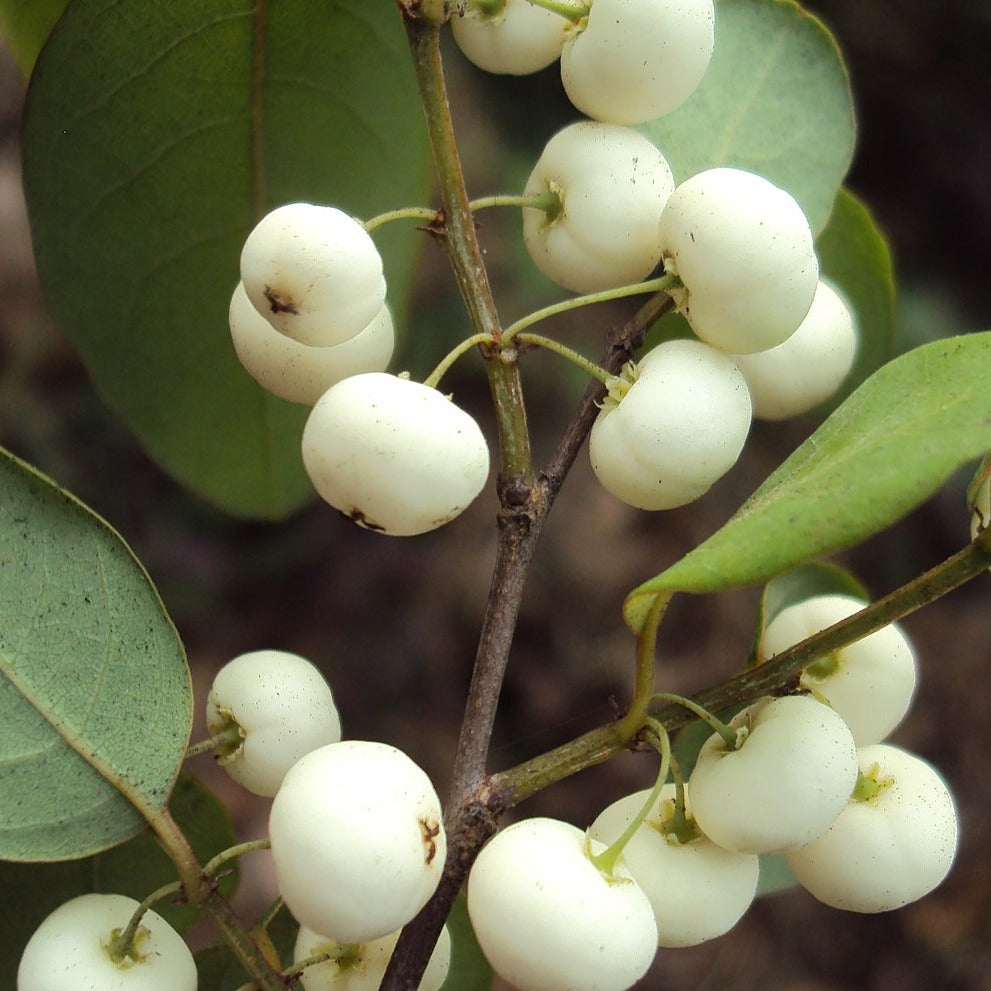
(870, 683)
(887, 850)
(359, 967)
(637, 60)
(314, 273)
(357, 840)
(547, 919)
(744, 253)
(69, 950)
(785, 783)
(678, 428)
(394, 455)
(299, 372)
(697, 890)
(515, 38)
(612, 184)
(283, 707)
(809, 366)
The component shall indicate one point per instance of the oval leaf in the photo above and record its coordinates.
(854, 256)
(136, 868)
(775, 101)
(152, 144)
(95, 693)
(25, 25)
(885, 450)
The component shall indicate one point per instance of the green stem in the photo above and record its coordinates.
(590, 367)
(598, 745)
(636, 715)
(122, 945)
(406, 213)
(549, 202)
(452, 356)
(606, 860)
(226, 741)
(660, 284)
(715, 723)
(211, 866)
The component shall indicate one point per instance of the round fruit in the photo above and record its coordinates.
(360, 967)
(69, 950)
(870, 683)
(637, 60)
(357, 839)
(808, 367)
(612, 184)
(283, 707)
(680, 426)
(299, 372)
(314, 273)
(515, 38)
(893, 843)
(744, 253)
(697, 890)
(547, 919)
(394, 455)
(786, 782)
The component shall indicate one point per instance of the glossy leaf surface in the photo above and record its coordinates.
(152, 144)
(885, 450)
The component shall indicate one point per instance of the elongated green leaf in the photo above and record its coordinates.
(136, 868)
(885, 450)
(854, 256)
(775, 101)
(154, 138)
(95, 694)
(26, 24)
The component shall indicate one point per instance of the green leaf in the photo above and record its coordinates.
(152, 144)
(470, 971)
(884, 451)
(854, 256)
(26, 25)
(218, 968)
(95, 693)
(775, 874)
(775, 101)
(137, 868)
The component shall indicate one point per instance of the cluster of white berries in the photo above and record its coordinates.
(361, 816)
(864, 825)
(741, 248)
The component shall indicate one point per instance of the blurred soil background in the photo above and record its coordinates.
(393, 622)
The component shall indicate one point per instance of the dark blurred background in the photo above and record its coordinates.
(393, 622)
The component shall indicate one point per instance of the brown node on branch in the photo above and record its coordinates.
(437, 227)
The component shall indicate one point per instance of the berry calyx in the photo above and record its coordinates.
(697, 890)
(359, 967)
(893, 842)
(73, 949)
(786, 782)
(612, 184)
(393, 455)
(870, 683)
(677, 425)
(364, 819)
(283, 708)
